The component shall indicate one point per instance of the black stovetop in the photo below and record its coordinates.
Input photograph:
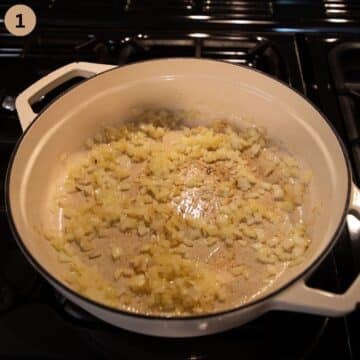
(35, 321)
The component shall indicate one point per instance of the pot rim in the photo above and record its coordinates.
(50, 277)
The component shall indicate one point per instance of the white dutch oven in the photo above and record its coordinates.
(215, 89)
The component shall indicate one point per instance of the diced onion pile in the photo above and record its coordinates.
(215, 184)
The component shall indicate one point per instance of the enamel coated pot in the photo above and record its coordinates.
(214, 89)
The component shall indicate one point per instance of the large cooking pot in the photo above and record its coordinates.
(215, 89)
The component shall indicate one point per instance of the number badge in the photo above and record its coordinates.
(20, 20)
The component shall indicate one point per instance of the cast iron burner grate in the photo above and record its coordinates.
(344, 62)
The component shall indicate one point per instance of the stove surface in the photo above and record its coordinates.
(36, 322)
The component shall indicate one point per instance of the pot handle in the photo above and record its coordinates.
(302, 298)
(41, 87)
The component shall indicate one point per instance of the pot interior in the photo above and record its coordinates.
(213, 90)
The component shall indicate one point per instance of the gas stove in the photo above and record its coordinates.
(315, 57)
